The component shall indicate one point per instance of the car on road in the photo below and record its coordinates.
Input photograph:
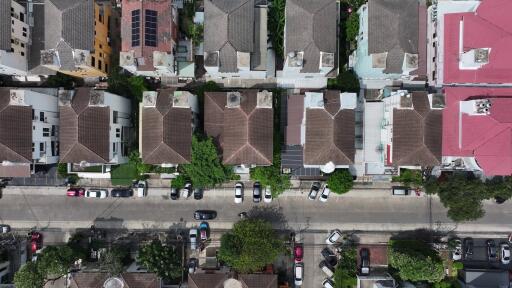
(315, 187)
(298, 252)
(186, 191)
(457, 249)
(329, 257)
(192, 264)
(205, 214)
(325, 193)
(333, 237)
(75, 192)
(401, 190)
(326, 268)
(192, 235)
(491, 250)
(468, 247)
(327, 283)
(499, 200)
(96, 193)
(298, 273)
(36, 241)
(4, 228)
(364, 255)
(198, 193)
(239, 193)
(267, 198)
(142, 188)
(505, 253)
(256, 192)
(203, 230)
(121, 192)
(174, 194)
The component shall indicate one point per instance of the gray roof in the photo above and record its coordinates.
(311, 27)
(485, 279)
(229, 27)
(393, 27)
(5, 25)
(37, 35)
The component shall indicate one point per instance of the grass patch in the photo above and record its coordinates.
(95, 169)
(124, 174)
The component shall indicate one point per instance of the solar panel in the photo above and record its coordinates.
(150, 28)
(135, 28)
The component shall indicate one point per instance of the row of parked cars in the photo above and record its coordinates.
(465, 249)
(141, 188)
(186, 192)
(315, 190)
(256, 193)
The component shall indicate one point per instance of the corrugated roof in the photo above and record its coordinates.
(5, 25)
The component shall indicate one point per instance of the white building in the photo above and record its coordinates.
(14, 38)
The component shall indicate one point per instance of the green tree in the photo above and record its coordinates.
(179, 181)
(415, 261)
(352, 27)
(276, 21)
(447, 283)
(499, 187)
(55, 261)
(410, 178)
(113, 260)
(342, 279)
(250, 245)
(195, 32)
(28, 276)
(341, 181)
(164, 260)
(270, 176)
(206, 170)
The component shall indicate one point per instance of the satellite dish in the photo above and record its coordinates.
(328, 168)
(113, 282)
(83, 164)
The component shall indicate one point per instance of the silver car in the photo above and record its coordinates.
(96, 193)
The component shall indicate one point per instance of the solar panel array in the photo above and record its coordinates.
(135, 28)
(150, 28)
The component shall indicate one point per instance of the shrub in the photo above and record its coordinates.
(341, 181)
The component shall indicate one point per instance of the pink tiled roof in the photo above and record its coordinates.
(488, 138)
(488, 27)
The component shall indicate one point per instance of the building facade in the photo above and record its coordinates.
(14, 38)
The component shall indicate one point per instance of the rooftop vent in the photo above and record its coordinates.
(233, 99)
(96, 98)
(126, 58)
(180, 99)
(411, 61)
(49, 57)
(327, 59)
(211, 59)
(405, 99)
(81, 57)
(481, 55)
(17, 97)
(264, 99)
(65, 97)
(295, 59)
(483, 106)
(149, 98)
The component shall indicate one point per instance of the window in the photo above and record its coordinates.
(118, 132)
(41, 116)
(150, 30)
(54, 148)
(101, 46)
(33, 114)
(12, 41)
(101, 18)
(99, 64)
(113, 147)
(22, 19)
(135, 28)
(54, 130)
(41, 147)
(24, 34)
(22, 53)
(33, 146)
(106, 67)
(93, 61)
(46, 132)
(22, 45)
(115, 117)
(24, 29)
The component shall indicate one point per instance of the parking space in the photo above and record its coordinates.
(480, 259)
(378, 255)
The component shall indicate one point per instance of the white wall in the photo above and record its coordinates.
(15, 62)
(123, 106)
(12, 64)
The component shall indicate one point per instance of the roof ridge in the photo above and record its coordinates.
(9, 148)
(342, 153)
(501, 130)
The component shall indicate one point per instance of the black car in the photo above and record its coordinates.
(468, 247)
(491, 250)
(365, 261)
(329, 256)
(121, 192)
(205, 214)
(174, 194)
(198, 193)
(314, 190)
(256, 192)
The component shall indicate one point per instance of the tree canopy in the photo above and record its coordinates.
(276, 21)
(164, 260)
(112, 260)
(55, 261)
(341, 181)
(28, 276)
(352, 27)
(415, 261)
(250, 245)
(409, 177)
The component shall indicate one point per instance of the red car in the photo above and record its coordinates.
(36, 241)
(76, 192)
(298, 252)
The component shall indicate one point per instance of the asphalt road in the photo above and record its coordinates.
(348, 212)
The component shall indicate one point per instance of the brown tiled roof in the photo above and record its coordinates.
(166, 132)
(258, 280)
(15, 130)
(206, 280)
(330, 133)
(417, 134)
(245, 133)
(22, 170)
(295, 113)
(84, 130)
(97, 279)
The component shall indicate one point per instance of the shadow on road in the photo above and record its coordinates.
(274, 215)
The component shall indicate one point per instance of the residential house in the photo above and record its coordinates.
(149, 32)
(76, 37)
(469, 43)
(29, 124)
(13, 254)
(241, 123)
(310, 41)
(95, 128)
(102, 279)
(168, 118)
(14, 38)
(235, 39)
(391, 44)
(477, 130)
(476, 278)
(201, 279)
(320, 133)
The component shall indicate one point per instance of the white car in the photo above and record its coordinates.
(193, 238)
(298, 272)
(505, 253)
(96, 193)
(333, 237)
(457, 250)
(186, 191)
(4, 228)
(325, 193)
(142, 189)
(267, 198)
(239, 194)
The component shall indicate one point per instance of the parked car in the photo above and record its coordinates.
(499, 200)
(364, 254)
(333, 237)
(205, 214)
(239, 193)
(4, 228)
(198, 193)
(121, 192)
(457, 250)
(96, 193)
(505, 253)
(187, 190)
(203, 230)
(314, 190)
(142, 188)
(192, 234)
(325, 193)
(329, 257)
(326, 268)
(75, 192)
(491, 250)
(298, 273)
(267, 198)
(174, 194)
(401, 190)
(192, 264)
(36, 241)
(298, 252)
(328, 283)
(468, 247)
(256, 192)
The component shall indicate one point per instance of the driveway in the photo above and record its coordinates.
(479, 259)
